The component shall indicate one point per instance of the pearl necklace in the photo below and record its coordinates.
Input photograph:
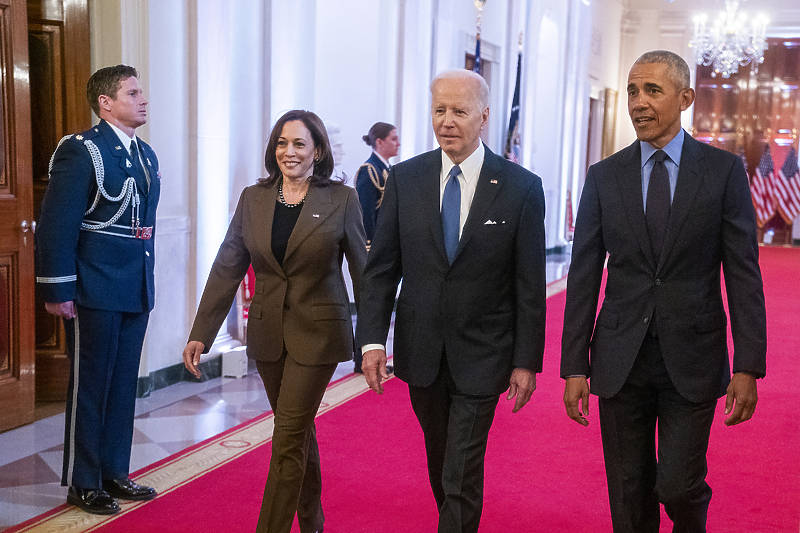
(283, 200)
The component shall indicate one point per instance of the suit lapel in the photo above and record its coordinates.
(489, 183)
(430, 197)
(317, 207)
(689, 179)
(630, 184)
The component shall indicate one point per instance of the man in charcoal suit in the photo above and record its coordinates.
(464, 230)
(668, 211)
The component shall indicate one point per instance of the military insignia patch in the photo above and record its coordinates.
(79, 137)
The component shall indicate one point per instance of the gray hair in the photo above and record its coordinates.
(464, 74)
(677, 68)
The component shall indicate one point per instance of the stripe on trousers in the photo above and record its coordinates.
(75, 374)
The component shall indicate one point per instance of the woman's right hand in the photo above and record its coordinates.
(191, 357)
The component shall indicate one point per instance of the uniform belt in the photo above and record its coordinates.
(141, 232)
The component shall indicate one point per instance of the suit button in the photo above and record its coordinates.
(658, 281)
(646, 319)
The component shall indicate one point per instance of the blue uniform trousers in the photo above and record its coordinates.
(105, 348)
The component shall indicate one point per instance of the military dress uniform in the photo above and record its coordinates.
(95, 246)
(370, 181)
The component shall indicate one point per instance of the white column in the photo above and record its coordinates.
(212, 135)
(212, 138)
(293, 43)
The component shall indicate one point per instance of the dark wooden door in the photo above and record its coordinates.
(58, 42)
(16, 217)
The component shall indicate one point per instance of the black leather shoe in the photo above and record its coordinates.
(389, 369)
(357, 370)
(125, 489)
(93, 501)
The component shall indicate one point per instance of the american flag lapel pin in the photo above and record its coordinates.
(315, 215)
(494, 182)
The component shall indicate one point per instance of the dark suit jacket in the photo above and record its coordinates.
(487, 310)
(370, 195)
(106, 269)
(303, 304)
(712, 224)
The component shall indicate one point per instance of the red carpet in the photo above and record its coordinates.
(544, 473)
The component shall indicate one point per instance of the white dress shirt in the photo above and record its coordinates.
(468, 179)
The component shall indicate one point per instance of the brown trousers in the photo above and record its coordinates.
(294, 482)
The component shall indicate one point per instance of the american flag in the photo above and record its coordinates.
(512, 151)
(478, 67)
(787, 188)
(761, 188)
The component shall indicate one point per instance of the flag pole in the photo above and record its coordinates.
(478, 67)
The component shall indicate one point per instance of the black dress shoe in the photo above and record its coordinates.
(93, 501)
(125, 489)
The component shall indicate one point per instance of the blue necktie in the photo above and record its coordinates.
(451, 213)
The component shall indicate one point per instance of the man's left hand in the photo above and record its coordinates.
(522, 385)
(742, 398)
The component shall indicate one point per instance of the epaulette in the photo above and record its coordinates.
(91, 133)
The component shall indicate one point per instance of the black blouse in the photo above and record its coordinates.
(283, 223)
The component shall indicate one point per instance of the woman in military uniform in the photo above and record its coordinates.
(371, 176)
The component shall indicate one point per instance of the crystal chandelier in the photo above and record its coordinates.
(728, 43)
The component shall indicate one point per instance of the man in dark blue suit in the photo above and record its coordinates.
(665, 213)
(464, 230)
(94, 266)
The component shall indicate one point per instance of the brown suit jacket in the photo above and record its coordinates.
(304, 304)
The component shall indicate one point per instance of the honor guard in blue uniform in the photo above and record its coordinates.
(94, 266)
(369, 183)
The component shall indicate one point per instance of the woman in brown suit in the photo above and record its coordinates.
(294, 227)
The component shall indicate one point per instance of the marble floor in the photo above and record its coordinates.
(168, 421)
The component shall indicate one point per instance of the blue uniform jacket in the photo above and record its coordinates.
(370, 194)
(106, 268)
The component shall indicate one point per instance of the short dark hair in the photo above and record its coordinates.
(379, 130)
(106, 82)
(323, 164)
(677, 68)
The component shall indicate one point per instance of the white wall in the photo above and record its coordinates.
(355, 77)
